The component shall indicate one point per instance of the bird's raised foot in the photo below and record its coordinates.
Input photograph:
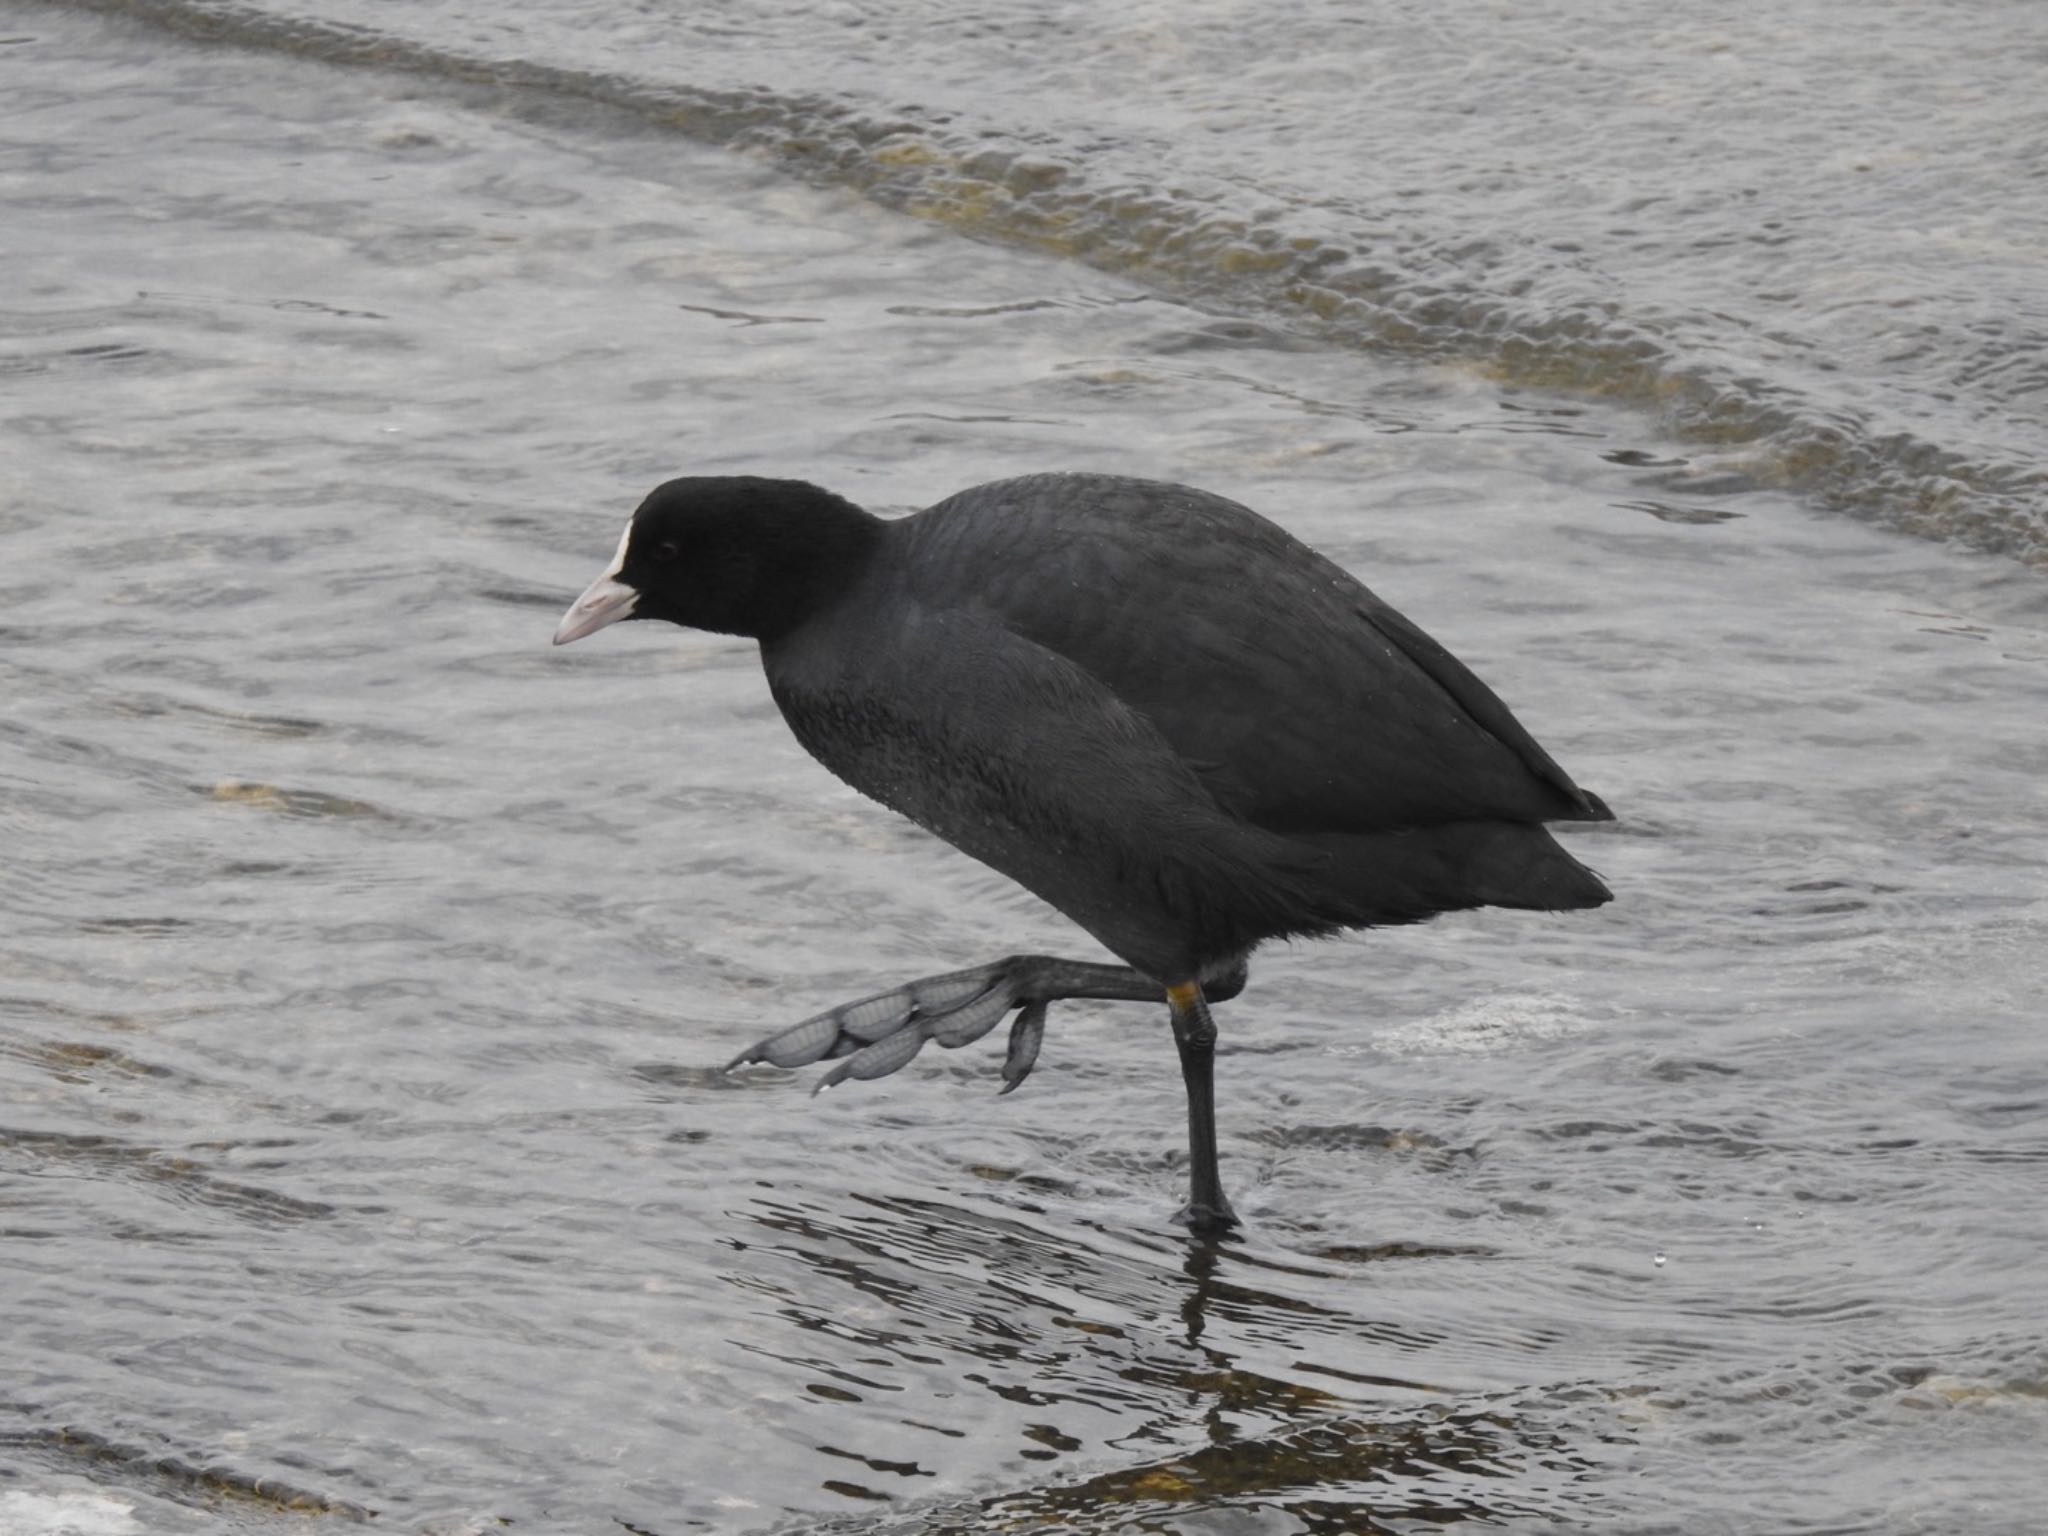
(878, 1035)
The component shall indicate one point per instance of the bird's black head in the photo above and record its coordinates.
(740, 555)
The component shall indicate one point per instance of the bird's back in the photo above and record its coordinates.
(1304, 703)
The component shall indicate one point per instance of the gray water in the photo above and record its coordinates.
(365, 962)
(1811, 244)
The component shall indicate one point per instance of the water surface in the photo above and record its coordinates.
(1813, 245)
(364, 961)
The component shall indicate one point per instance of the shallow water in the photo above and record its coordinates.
(365, 960)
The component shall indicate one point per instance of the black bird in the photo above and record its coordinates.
(1150, 706)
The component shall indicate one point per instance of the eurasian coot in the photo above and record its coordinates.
(1163, 714)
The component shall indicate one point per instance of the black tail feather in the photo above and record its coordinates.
(1403, 877)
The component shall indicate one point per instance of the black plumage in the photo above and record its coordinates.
(1150, 706)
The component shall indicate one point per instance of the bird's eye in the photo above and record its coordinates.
(666, 551)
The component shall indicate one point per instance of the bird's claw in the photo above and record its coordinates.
(878, 1035)
(1026, 1032)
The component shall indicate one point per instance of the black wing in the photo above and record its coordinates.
(1304, 702)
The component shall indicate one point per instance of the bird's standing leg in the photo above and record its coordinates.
(878, 1035)
(1208, 1213)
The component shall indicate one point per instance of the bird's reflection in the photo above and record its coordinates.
(1204, 1258)
(1067, 1341)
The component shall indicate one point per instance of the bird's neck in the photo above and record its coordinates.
(809, 558)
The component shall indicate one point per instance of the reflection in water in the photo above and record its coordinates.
(1075, 1341)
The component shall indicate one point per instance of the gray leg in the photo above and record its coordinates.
(1208, 1213)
